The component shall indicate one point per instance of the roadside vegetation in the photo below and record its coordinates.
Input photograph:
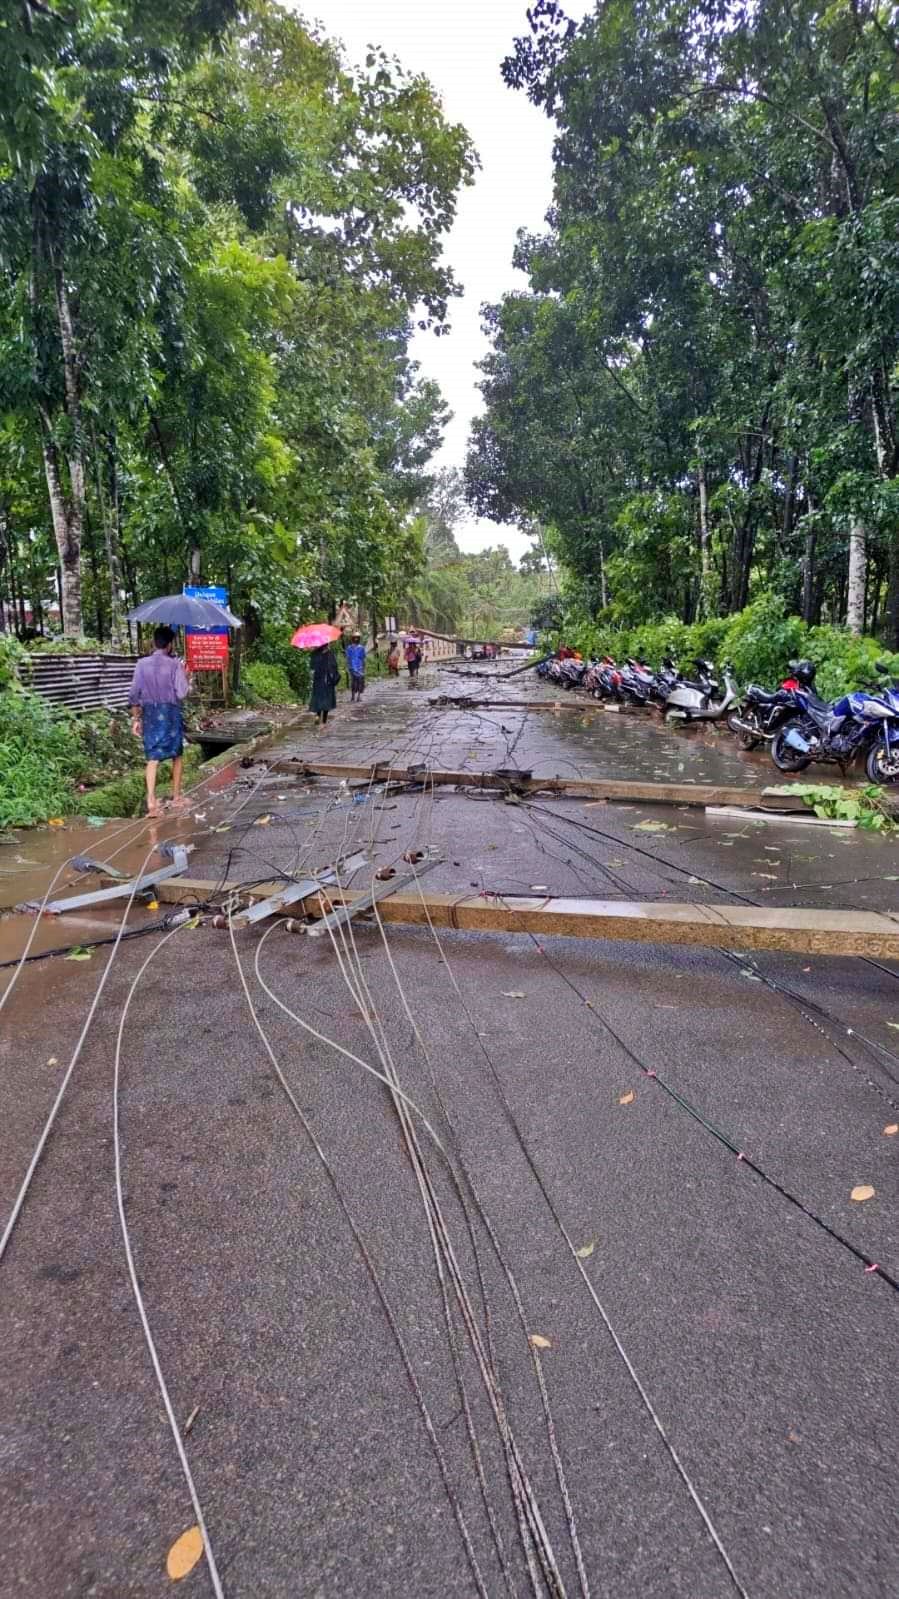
(696, 394)
(217, 236)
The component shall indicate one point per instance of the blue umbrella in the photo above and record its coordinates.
(178, 610)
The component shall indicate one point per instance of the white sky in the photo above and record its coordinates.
(460, 48)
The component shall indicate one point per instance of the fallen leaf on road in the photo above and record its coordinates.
(894, 1024)
(79, 953)
(890, 1130)
(190, 1420)
(539, 888)
(862, 1192)
(53, 1061)
(628, 1098)
(513, 993)
(586, 1250)
(184, 1554)
(650, 827)
(262, 821)
(753, 976)
(537, 1341)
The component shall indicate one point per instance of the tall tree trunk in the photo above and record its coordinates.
(66, 503)
(789, 515)
(109, 511)
(855, 587)
(808, 565)
(5, 542)
(73, 504)
(705, 543)
(745, 538)
(892, 605)
(90, 547)
(67, 527)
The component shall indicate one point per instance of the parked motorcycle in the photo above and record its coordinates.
(862, 725)
(701, 699)
(637, 682)
(758, 717)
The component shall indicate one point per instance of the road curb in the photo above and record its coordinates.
(236, 753)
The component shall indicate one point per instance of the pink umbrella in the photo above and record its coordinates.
(314, 634)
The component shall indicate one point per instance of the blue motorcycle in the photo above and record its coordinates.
(862, 725)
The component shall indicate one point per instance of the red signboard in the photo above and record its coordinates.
(206, 652)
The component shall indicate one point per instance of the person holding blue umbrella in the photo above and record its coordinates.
(158, 687)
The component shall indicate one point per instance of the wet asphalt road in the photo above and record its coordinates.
(764, 1349)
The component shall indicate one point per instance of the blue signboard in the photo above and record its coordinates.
(212, 591)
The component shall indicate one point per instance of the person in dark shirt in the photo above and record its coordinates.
(325, 678)
(159, 685)
(412, 655)
(355, 661)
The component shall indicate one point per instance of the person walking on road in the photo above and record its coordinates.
(355, 662)
(159, 685)
(393, 659)
(325, 678)
(412, 654)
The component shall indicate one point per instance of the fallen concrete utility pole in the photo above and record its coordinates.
(291, 893)
(349, 908)
(795, 931)
(104, 896)
(466, 702)
(513, 782)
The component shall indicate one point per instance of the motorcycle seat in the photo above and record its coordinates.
(761, 696)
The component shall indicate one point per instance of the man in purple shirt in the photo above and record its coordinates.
(159, 685)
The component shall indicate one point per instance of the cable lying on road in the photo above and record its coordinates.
(805, 1006)
(372, 1273)
(579, 1264)
(871, 1266)
(135, 1281)
(537, 1548)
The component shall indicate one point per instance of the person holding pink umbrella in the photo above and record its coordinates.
(318, 637)
(325, 678)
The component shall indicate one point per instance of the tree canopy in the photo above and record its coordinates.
(217, 240)
(697, 393)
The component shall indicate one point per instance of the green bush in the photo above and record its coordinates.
(262, 684)
(40, 760)
(125, 795)
(844, 660)
(758, 642)
(12, 657)
(273, 648)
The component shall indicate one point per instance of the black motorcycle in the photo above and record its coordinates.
(762, 712)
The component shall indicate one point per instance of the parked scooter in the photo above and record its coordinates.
(572, 673)
(756, 720)
(701, 699)
(863, 725)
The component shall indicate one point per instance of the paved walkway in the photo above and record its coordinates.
(300, 1320)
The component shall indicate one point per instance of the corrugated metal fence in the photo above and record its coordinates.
(81, 682)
